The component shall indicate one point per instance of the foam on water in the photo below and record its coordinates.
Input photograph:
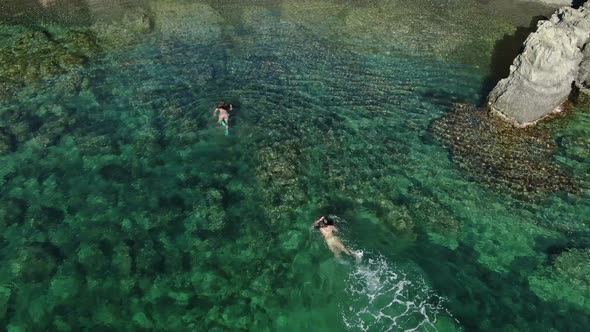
(384, 298)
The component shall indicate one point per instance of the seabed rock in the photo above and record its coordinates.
(516, 161)
(37, 57)
(7, 141)
(541, 78)
(197, 20)
(5, 293)
(277, 170)
(119, 24)
(567, 279)
(38, 62)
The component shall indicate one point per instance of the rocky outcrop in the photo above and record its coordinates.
(542, 76)
(584, 72)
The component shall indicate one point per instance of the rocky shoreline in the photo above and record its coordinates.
(555, 59)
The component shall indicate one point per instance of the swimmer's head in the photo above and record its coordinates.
(223, 105)
(323, 222)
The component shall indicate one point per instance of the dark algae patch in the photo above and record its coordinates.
(125, 207)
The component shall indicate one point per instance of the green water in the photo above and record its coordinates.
(125, 207)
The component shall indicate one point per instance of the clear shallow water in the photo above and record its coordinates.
(141, 214)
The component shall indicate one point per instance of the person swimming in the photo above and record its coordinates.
(326, 226)
(223, 108)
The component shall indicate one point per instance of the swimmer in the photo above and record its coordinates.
(223, 108)
(326, 226)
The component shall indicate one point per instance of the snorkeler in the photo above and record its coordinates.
(223, 108)
(326, 226)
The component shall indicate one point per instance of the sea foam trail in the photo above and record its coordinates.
(383, 299)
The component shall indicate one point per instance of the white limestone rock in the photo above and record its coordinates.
(542, 76)
(584, 73)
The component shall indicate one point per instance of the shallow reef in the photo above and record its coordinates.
(506, 158)
(37, 56)
(566, 279)
(36, 65)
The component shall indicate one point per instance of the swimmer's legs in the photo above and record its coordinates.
(334, 248)
(342, 248)
(345, 250)
(223, 117)
(337, 247)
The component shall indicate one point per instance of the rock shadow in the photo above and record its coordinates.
(505, 50)
(578, 3)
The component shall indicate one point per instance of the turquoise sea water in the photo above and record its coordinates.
(125, 207)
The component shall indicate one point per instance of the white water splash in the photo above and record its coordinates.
(382, 299)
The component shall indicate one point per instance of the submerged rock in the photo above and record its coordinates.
(541, 78)
(33, 263)
(568, 279)
(7, 141)
(519, 162)
(37, 57)
(278, 170)
(584, 73)
(119, 24)
(42, 126)
(5, 293)
(197, 20)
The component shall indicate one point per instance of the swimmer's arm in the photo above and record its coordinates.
(317, 222)
(215, 111)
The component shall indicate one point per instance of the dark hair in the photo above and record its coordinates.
(329, 221)
(224, 105)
